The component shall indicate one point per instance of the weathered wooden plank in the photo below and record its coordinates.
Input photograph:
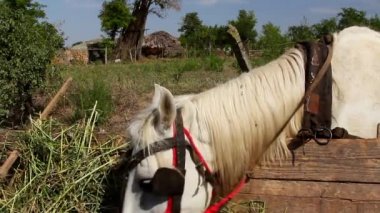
(337, 205)
(369, 207)
(281, 204)
(339, 161)
(329, 190)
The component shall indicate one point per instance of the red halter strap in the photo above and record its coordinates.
(216, 206)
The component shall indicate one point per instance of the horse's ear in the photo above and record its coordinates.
(164, 101)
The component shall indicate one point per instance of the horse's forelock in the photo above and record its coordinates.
(142, 130)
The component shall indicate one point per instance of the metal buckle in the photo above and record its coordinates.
(323, 129)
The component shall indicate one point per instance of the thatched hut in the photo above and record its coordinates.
(162, 44)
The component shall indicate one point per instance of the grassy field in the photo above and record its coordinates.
(69, 163)
(122, 89)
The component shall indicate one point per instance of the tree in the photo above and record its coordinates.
(192, 31)
(190, 24)
(350, 17)
(114, 16)
(131, 37)
(272, 42)
(27, 45)
(245, 24)
(302, 32)
(222, 38)
(198, 36)
(326, 26)
(374, 22)
(30, 8)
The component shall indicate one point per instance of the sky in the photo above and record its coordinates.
(78, 19)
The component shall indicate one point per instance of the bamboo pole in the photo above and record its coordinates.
(49, 108)
(4, 169)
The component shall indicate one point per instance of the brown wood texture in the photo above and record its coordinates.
(340, 161)
(343, 176)
(239, 50)
(308, 196)
(356, 192)
(284, 204)
(49, 108)
(4, 169)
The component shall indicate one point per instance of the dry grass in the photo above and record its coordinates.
(250, 206)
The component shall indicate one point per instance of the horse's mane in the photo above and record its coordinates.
(243, 117)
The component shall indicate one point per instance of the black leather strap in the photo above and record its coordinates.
(180, 141)
(153, 148)
(180, 144)
(181, 156)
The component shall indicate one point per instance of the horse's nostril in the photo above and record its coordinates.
(146, 185)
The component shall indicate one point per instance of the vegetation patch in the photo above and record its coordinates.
(62, 169)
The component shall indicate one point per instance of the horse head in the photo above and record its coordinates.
(169, 161)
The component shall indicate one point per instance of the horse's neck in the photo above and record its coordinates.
(244, 116)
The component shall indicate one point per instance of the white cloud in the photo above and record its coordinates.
(89, 4)
(325, 10)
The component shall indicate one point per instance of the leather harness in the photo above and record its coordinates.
(316, 123)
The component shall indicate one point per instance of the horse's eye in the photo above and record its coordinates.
(146, 185)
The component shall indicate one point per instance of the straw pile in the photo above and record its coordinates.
(61, 169)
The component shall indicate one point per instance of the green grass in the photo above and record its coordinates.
(62, 169)
(90, 91)
(118, 88)
(142, 76)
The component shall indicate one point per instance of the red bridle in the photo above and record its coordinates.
(170, 181)
(216, 206)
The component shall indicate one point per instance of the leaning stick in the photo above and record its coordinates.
(4, 169)
(239, 50)
(49, 108)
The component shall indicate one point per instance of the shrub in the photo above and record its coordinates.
(214, 63)
(26, 47)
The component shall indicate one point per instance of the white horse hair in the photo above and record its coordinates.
(237, 124)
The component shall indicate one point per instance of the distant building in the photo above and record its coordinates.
(83, 52)
(161, 44)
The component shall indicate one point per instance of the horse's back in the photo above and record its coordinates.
(356, 76)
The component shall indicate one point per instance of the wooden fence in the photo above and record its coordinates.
(343, 176)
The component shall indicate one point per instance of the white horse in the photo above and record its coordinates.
(239, 124)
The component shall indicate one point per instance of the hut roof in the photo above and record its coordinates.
(160, 39)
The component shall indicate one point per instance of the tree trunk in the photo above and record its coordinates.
(131, 38)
